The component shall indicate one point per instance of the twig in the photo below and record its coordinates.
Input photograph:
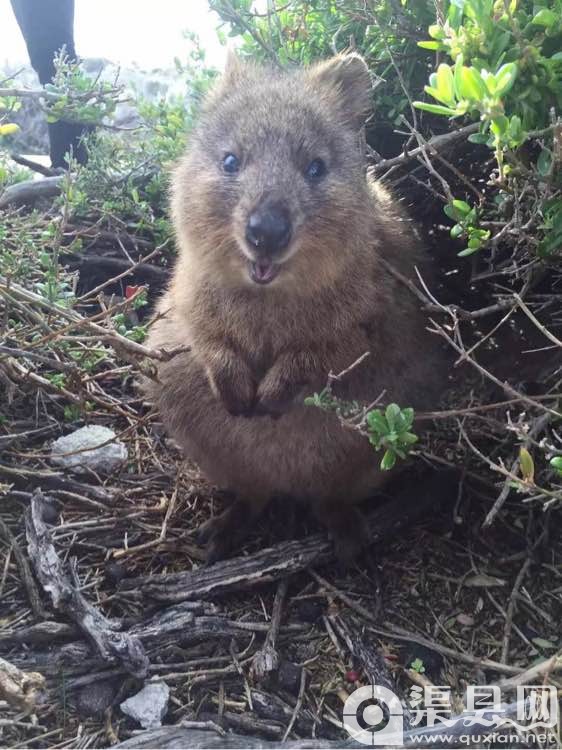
(96, 290)
(33, 165)
(298, 705)
(550, 336)
(537, 427)
(25, 572)
(483, 371)
(77, 321)
(511, 608)
(536, 672)
(211, 725)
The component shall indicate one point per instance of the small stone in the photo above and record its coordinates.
(102, 456)
(149, 706)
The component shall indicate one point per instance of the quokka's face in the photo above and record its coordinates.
(274, 181)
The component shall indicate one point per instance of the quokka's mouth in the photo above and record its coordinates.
(263, 271)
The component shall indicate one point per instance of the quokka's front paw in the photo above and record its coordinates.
(232, 382)
(283, 385)
(277, 399)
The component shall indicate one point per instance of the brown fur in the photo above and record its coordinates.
(258, 350)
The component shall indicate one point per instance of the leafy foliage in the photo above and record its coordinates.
(389, 430)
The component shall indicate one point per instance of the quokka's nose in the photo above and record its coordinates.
(269, 229)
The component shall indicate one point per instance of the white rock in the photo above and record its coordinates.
(149, 706)
(99, 458)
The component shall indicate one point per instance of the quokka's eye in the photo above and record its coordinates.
(231, 163)
(316, 169)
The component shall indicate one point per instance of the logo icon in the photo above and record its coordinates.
(373, 715)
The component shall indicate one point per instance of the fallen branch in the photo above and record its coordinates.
(371, 659)
(188, 623)
(266, 660)
(66, 597)
(35, 166)
(29, 192)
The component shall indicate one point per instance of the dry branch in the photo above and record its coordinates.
(438, 142)
(66, 596)
(188, 623)
(29, 192)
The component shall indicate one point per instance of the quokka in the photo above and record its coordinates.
(279, 281)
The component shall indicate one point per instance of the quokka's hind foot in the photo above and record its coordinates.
(348, 529)
(224, 533)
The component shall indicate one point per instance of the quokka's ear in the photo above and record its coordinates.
(235, 72)
(234, 69)
(348, 76)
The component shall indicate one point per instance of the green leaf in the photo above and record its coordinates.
(515, 129)
(499, 125)
(436, 31)
(478, 138)
(435, 109)
(452, 212)
(409, 438)
(468, 251)
(462, 207)
(456, 231)
(392, 414)
(388, 461)
(430, 45)
(556, 464)
(471, 85)
(504, 78)
(445, 85)
(408, 415)
(490, 81)
(546, 17)
(418, 666)
(544, 162)
(526, 464)
(377, 422)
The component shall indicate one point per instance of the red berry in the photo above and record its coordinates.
(352, 675)
(130, 291)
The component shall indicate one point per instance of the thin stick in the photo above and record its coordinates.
(511, 608)
(298, 705)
